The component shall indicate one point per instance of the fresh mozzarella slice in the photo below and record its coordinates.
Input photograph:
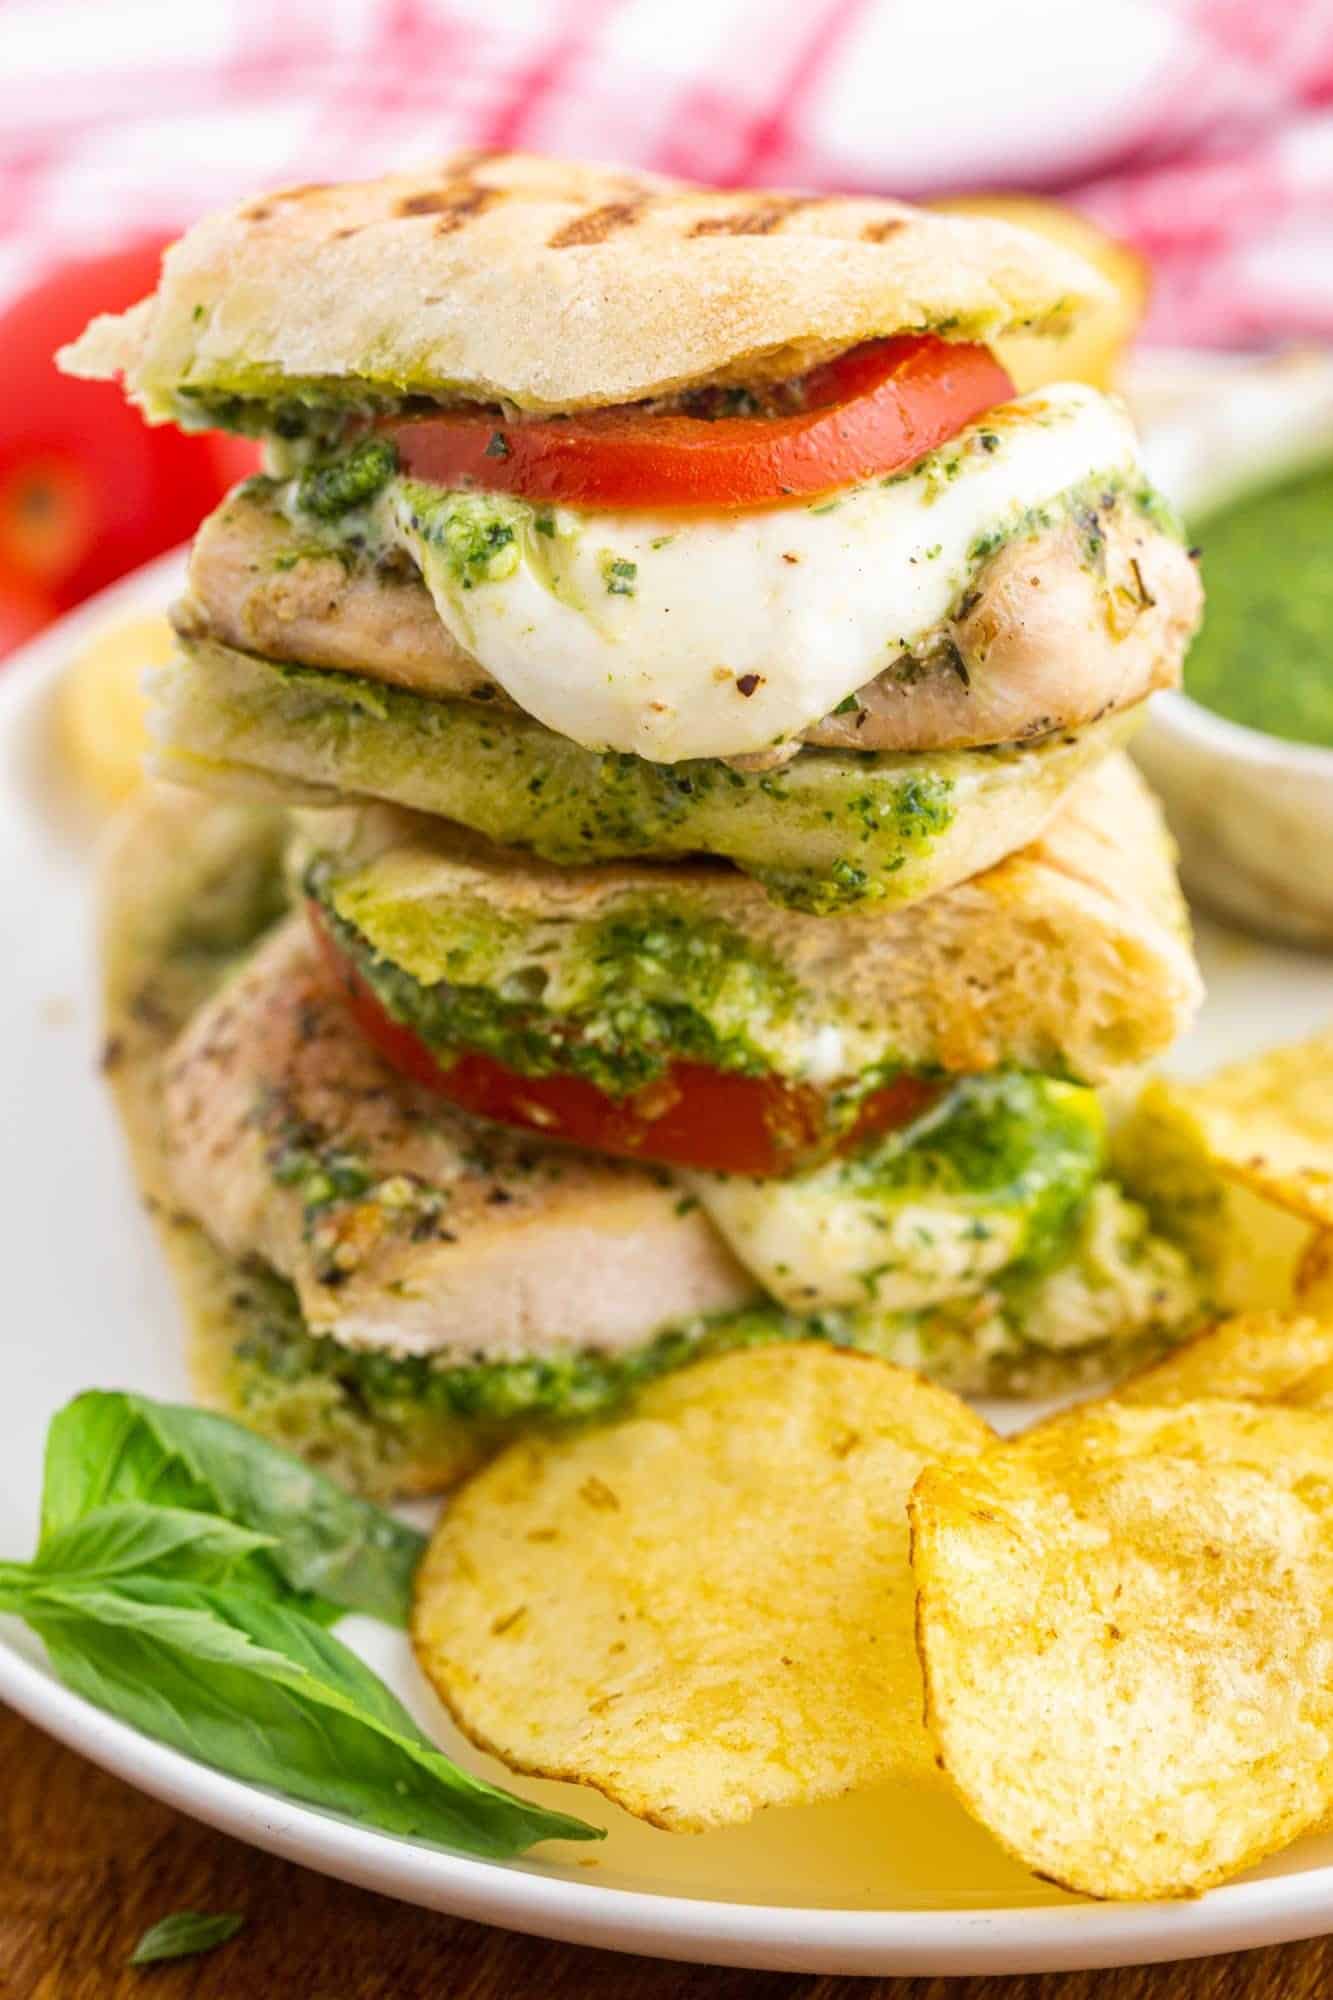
(992, 1174)
(676, 636)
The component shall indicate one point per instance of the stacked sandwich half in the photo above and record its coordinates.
(716, 892)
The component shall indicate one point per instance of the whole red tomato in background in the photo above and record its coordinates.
(87, 489)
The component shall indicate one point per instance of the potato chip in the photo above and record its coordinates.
(707, 1607)
(102, 711)
(1268, 1123)
(1093, 351)
(1124, 1630)
(1246, 1244)
(1262, 1357)
(1314, 1275)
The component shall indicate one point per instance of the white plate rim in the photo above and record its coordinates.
(1270, 1909)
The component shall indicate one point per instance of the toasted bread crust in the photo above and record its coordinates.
(555, 286)
(834, 829)
(1073, 955)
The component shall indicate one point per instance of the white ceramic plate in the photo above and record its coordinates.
(889, 1882)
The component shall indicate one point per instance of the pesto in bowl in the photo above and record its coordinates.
(1264, 657)
(1243, 758)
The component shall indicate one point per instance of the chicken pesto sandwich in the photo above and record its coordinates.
(610, 517)
(443, 1142)
(669, 879)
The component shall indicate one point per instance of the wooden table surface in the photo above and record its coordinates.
(87, 1864)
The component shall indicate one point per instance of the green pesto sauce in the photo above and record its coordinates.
(1264, 657)
(332, 487)
(655, 982)
(914, 812)
(562, 1388)
(1086, 504)
(276, 1356)
(476, 534)
(1005, 1143)
(319, 411)
(529, 788)
(277, 1349)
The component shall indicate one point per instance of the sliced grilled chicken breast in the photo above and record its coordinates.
(403, 1224)
(1048, 639)
(1068, 624)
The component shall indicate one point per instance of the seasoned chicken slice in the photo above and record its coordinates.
(1070, 624)
(403, 1224)
(258, 584)
(1060, 627)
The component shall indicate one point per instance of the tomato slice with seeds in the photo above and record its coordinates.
(868, 413)
(692, 1116)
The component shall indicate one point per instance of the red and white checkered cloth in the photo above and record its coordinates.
(1200, 129)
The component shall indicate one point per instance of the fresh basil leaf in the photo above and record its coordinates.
(171, 1541)
(109, 1446)
(232, 1631)
(335, 1666)
(254, 1689)
(14, 1587)
(86, 1442)
(184, 1934)
(135, 1605)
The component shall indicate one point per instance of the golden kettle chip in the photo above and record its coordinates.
(706, 1607)
(1125, 1632)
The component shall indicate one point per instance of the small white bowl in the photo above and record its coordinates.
(1253, 814)
(1253, 817)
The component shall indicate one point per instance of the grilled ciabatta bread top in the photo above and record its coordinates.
(553, 285)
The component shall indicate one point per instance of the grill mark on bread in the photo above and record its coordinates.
(879, 232)
(664, 331)
(458, 198)
(598, 224)
(462, 163)
(260, 211)
(453, 203)
(430, 203)
(760, 219)
(457, 209)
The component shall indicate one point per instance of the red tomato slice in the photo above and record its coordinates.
(868, 413)
(693, 1116)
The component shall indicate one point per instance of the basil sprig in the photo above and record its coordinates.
(184, 1581)
(108, 1446)
(184, 1934)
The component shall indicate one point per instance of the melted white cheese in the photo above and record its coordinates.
(716, 636)
(815, 1242)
